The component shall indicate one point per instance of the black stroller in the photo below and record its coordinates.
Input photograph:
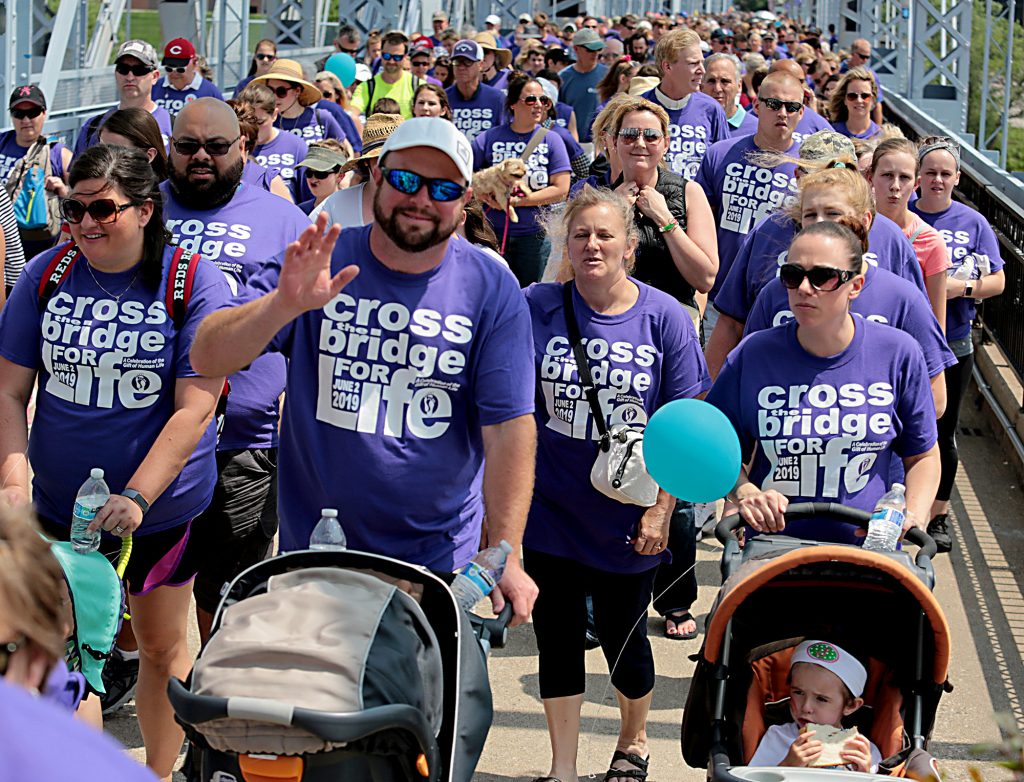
(339, 665)
(779, 590)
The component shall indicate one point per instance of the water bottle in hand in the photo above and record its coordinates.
(328, 534)
(886, 523)
(476, 580)
(91, 497)
(966, 270)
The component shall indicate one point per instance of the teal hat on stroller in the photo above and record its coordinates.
(98, 602)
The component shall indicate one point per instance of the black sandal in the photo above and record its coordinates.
(638, 773)
(677, 618)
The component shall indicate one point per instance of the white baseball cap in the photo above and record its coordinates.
(550, 89)
(437, 133)
(835, 659)
(363, 72)
(493, 19)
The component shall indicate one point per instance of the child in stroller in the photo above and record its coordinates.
(825, 685)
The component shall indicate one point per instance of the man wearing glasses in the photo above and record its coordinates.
(183, 82)
(860, 57)
(392, 81)
(136, 70)
(410, 386)
(476, 107)
(741, 192)
(236, 228)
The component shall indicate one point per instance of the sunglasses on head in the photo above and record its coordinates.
(861, 95)
(632, 134)
(321, 175)
(102, 210)
(135, 70)
(392, 57)
(174, 68)
(774, 104)
(821, 278)
(7, 650)
(31, 113)
(409, 182)
(265, 57)
(282, 92)
(190, 146)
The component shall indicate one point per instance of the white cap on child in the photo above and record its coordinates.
(835, 659)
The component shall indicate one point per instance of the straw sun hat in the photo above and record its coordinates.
(291, 71)
(375, 132)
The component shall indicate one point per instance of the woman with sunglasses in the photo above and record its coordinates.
(116, 390)
(273, 147)
(579, 541)
(335, 95)
(262, 60)
(323, 169)
(525, 243)
(431, 101)
(825, 404)
(851, 104)
(976, 274)
(296, 99)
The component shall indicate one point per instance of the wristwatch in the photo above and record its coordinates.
(968, 289)
(137, 498)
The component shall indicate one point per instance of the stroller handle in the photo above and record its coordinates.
(193, 710)
(726, 528)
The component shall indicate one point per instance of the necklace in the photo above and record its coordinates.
(116, 298)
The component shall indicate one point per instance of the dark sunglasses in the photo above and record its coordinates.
(321, 175)
(175, 68)
(409, 182)
(7, 650)
(632, 134)
(774, 104)
(392, 57)
(102, 210)
(282, 92)
(265, 57)
(821, 278)
(350, 52)
(213, 148)
(328, 95)
(31, 113)
(529, 100)
(421, 63)
(135, 70)
(851, 96)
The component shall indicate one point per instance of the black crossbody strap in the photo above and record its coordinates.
(582, 367)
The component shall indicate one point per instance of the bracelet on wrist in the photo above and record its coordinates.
(668, 227)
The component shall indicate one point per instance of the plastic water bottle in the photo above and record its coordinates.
(476, 580)
(328, 534)
(91, 497)
(965, 271)
(886, 523)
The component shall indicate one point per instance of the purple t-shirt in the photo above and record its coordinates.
(32, 727)
(809, 124)
(165, 95)
(85, 140)
(827, 429)
(885, 298)
(239, 237)
(283, 153)
(741, 193)
(549, 158)
(700, 123)
(388, 388)
(258, 176)
(499, 81)
(572, 146)
(345, 122)
(563, 113)
(11, 153)
(970, 240)
(483, 111)
(747, 125)
(766, 247)
(107, 372)
(639, 360)
(312, 125)
(872, 131)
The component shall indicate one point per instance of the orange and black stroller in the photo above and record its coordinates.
(777, 591)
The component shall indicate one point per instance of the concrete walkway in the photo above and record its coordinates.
(979, 586)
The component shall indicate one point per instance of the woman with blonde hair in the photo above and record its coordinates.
(616, 81)
(851, 104)
(579, 541)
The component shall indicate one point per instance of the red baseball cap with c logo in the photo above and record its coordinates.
(179, 49)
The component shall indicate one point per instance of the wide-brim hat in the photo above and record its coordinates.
(375, 132)
(323, 159)
(487, 41)
(640, 85)
(291, 71)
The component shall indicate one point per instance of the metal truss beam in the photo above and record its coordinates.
(995, 96)
(105, 34)
(940, 60)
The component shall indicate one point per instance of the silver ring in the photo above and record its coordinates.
(118, 528)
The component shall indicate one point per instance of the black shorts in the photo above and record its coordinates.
(165, 558)
(238, 528)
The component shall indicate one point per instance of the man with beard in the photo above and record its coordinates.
(410, 386)
(236, 226)
(393, 81)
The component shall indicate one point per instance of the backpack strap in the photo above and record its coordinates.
(57, 270)
(918, 232)
(179, 284)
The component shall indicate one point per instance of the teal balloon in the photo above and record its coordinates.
(692, 451)
(343, 66)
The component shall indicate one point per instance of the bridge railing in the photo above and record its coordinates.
(999, 197)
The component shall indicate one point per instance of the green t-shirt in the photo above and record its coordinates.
(401, 91)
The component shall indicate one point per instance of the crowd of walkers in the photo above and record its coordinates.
(368, 285)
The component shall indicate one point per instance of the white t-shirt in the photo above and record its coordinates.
(779, 738)
(344, 207)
